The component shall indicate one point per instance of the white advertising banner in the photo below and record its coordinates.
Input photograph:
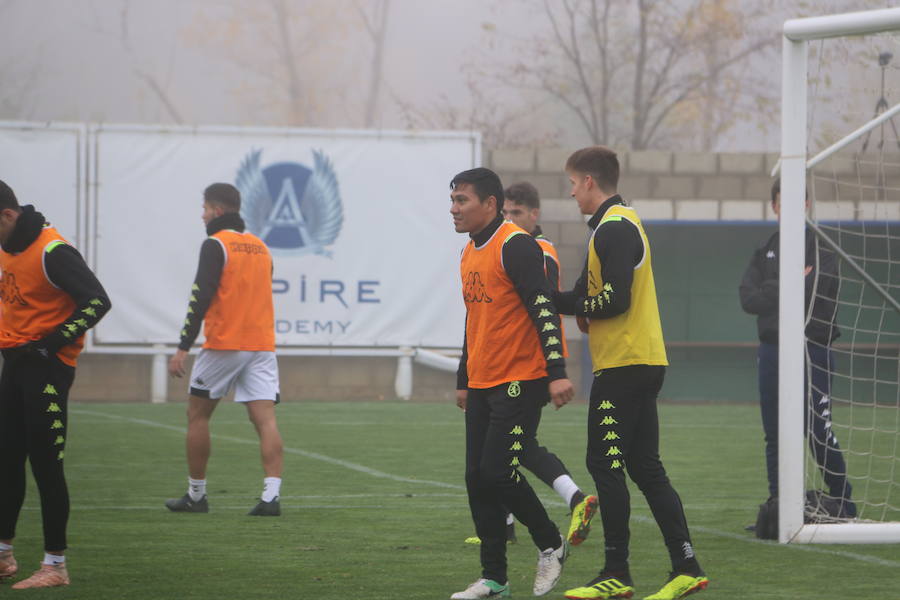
(358, 224)
(42, 164)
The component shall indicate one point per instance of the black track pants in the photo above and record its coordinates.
(33, 425)
(623, 434)
(501, 424)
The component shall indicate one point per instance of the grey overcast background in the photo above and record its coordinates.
(499, 66)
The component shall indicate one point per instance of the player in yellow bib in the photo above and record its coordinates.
(617, 297)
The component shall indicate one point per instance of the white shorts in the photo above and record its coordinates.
(254, 375)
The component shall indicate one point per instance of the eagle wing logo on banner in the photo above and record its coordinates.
(322, 208)
(256, 203)
(287, 221)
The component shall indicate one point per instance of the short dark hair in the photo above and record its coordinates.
(7, 197)
(225, 195)
(776, 189)
(486, 184)
(600, 163)
(523, 193)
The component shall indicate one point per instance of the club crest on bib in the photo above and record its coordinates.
(294, 209)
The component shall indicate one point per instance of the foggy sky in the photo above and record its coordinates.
(71, 60)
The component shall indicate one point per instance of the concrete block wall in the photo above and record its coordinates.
(686, 186)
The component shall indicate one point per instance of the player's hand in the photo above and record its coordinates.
(176, 363)
(807, 270)
(583, 324)
(561, 392)
(461, 397)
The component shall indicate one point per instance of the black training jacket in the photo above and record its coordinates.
(759, 291)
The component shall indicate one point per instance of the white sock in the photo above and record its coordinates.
(566, 487)
(509, 519)
(54, 559)
(196, 488)
(271, 488)
(5, 547)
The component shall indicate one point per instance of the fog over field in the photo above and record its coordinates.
(709, 70)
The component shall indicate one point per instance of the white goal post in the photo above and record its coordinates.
(792, 315)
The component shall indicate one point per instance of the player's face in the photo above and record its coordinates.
(521, 215)
(776, 205)
(470, 214)
(7, 223)
(582, 186)
(210, 212)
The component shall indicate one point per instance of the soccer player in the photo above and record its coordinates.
(50, 298)
(522, 206)
(232, 293)
(759, 296)
(617, 295)
(512, 364)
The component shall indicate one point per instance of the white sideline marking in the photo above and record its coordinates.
(381, 474)
(305, 453)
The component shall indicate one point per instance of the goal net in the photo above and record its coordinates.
(840, 307)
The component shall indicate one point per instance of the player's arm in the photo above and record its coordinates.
(759, 295)
(566, 301)
(206, 282)
(523, 262)
(619, 247)
(826, 287)
(552, 269)
(462, 374)
(67, 270)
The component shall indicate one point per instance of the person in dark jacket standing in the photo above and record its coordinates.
(759, 296)
(49, 298)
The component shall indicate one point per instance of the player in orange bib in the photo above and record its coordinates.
(522, 207)
(511, 366)
(232, 293)
(50, 298)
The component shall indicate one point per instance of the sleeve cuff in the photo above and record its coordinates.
(555, 372)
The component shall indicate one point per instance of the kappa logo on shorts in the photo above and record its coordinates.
(294, 209)
(199, 381)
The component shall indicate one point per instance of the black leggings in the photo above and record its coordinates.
(33, 425)
(623, 434)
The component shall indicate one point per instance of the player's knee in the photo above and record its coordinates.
(496, 476)
(647, 474)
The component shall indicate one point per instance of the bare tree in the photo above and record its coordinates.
(629, 70)
(501, 124)
(376, 26)
(293, 54)
(147, 76)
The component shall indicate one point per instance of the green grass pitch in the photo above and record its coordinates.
(374, 507)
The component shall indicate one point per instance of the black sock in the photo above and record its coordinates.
(577, 498)
(623, 575)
